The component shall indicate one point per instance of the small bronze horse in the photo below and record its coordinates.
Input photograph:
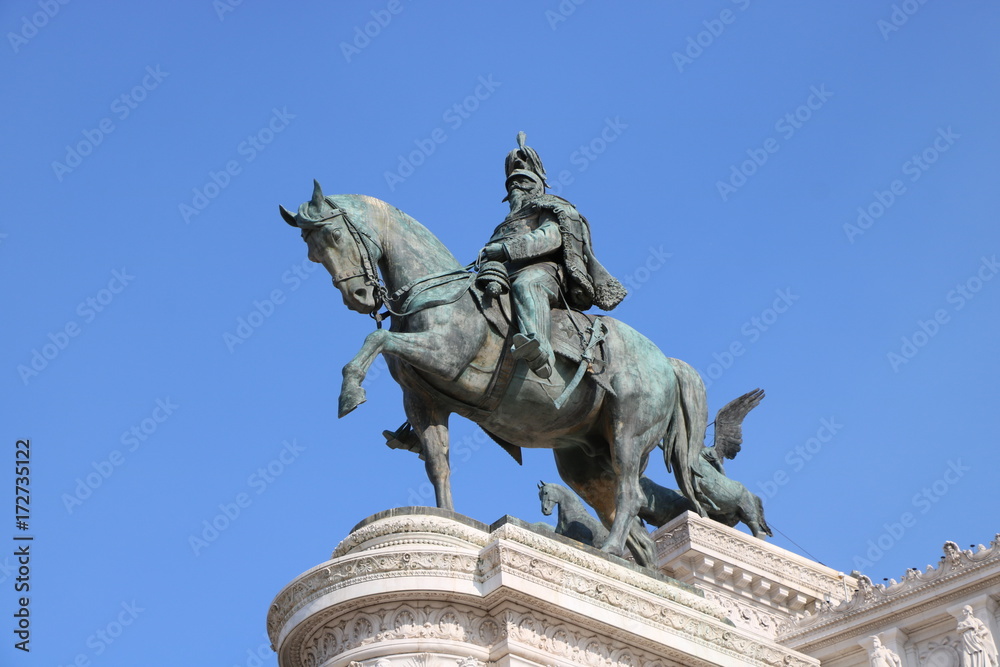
(573, 520)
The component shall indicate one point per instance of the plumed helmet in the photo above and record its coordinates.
(524, 158)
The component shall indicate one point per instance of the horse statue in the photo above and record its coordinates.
(574, 521)
(450, 357)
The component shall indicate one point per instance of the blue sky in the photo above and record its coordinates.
(802, 197)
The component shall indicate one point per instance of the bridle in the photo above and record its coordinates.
(369, 252)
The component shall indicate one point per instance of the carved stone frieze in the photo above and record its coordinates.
(553, 573)
(357, 569)
(575, 645)
(746, 615)
(583, 585)
(440, 623)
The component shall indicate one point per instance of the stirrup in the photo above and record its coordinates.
(404, 437)
(527, 347)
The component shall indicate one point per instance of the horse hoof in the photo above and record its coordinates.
(609, 549)
(350, 399)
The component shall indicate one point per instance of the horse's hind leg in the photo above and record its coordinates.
(430, 423)
(590, 477)
(628, 461)
(593, 478)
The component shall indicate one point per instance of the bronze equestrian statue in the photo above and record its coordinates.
(452, 346)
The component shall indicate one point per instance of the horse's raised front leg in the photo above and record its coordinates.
(430, 423)
(421, 350)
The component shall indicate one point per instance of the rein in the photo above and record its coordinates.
(436, 280)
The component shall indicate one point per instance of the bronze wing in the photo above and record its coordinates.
(729, 423)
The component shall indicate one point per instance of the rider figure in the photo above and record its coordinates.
(546, 246)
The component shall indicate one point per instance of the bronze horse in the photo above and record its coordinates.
(443, 352)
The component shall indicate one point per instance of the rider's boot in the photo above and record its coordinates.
(532, 300)
(528, 347)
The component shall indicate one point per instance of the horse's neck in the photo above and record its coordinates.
(563, 519)
(569, 510)
(409, 250)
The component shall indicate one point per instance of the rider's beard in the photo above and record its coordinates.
(517, 199)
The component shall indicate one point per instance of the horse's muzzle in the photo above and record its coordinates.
(358, 296)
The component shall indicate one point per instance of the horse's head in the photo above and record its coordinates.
(547, 497)
(347, 250)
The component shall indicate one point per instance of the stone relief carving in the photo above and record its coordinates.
(746, 615)
(578, 646)
(952, 554)
(561, 640)
(558, 577)
(552, 572)
(940, 653)
(447, 623)
(360, 569)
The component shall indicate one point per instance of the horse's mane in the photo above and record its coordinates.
(373, 213)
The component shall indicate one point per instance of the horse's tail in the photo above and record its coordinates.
(760, 516)
(685, 434)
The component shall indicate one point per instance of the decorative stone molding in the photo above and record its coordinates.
(916, 617)
(762, 587)
(353, 570)
(438, 622)
(421, 660)
(954, 565)
(553, 574)
(401, 524)
(745, 614)
(438, 589)
(574, 645)
(690, 531)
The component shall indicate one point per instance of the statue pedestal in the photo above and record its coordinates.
(420, 587)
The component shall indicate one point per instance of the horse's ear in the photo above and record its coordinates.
(287, 215)
(317, 199)
(540, 484)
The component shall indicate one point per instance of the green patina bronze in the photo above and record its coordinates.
(513, 352)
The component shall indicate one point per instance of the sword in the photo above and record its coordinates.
(597, 333)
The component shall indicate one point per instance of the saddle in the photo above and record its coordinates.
(573, 338)
(571, 334)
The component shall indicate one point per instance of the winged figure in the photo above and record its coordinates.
(726, 500)
(729, 429)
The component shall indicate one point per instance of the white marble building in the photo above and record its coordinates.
(420, 587)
